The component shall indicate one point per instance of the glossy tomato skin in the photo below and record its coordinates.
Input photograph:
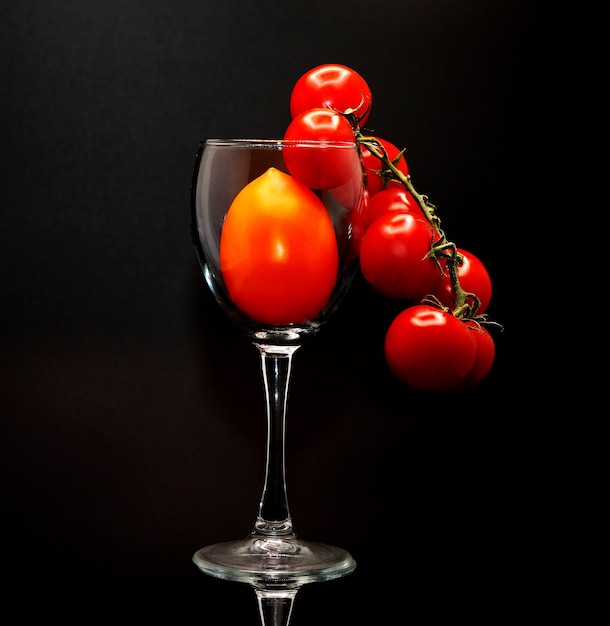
(392, 199)
(429, 349)
(278, 251)
(392, 256)
(372, 165)
(485, 355)
(473, 277)
(333, 86)
(318, 168)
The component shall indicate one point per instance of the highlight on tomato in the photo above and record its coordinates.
(393, 257)
(388, 200)
(321, 168)
(333, 86)
(429, 349)
(278, 251)
(473, 277)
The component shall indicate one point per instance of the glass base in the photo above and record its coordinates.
(282, 562)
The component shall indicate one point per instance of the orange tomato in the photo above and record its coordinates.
(278, 251)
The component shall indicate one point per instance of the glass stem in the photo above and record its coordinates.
(275, 607)
(273, 514)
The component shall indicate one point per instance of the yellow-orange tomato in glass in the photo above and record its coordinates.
(278, 251)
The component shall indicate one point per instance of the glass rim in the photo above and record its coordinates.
(279, 143)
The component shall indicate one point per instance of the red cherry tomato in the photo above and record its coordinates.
(321, 168)
(473, 277)
(485, 355)
(392, 256)
(373, 165)
(332, 86)
(392, 199)
(429, 349)
(278, 251)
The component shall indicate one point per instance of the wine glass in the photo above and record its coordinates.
(276, 226)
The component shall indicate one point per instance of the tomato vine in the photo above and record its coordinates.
(466, 303)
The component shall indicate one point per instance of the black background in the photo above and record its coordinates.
(132, 428)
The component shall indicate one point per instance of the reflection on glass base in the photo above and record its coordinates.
(283, 562)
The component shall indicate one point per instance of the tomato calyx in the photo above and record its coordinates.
(465, 313)
(389, 173)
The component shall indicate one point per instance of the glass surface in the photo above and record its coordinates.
(257, 292)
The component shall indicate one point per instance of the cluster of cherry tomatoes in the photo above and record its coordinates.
(440, 341)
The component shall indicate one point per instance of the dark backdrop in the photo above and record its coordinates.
(132, 427)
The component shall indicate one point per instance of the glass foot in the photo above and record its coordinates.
(274, 562)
